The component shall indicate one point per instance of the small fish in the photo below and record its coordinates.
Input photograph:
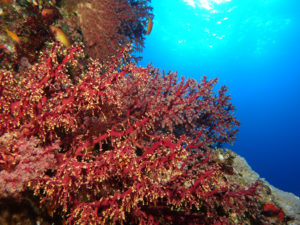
(47, 12)
(150, 25)
(12, 35)
(50, 15)
(60, 35)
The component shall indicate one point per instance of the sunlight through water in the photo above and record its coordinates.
(207, 4)
(210, 26)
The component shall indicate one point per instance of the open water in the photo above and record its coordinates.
(252, 46)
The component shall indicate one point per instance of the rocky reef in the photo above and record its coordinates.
(287, 202)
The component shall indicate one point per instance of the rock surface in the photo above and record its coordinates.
(288, 202)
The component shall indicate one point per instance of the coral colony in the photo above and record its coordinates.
(88, 137)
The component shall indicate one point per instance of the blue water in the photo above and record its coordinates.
(252, 46)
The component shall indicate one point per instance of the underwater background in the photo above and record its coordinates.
(252, 46)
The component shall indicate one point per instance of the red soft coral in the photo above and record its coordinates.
(133, 143)
(109, 25)
(22, 162)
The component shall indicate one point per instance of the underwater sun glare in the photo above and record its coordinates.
(218, 28)
(207, 4)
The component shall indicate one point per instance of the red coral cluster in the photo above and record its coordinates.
(135, 145)
(272, 210)
(22, 161)
(109, 25)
